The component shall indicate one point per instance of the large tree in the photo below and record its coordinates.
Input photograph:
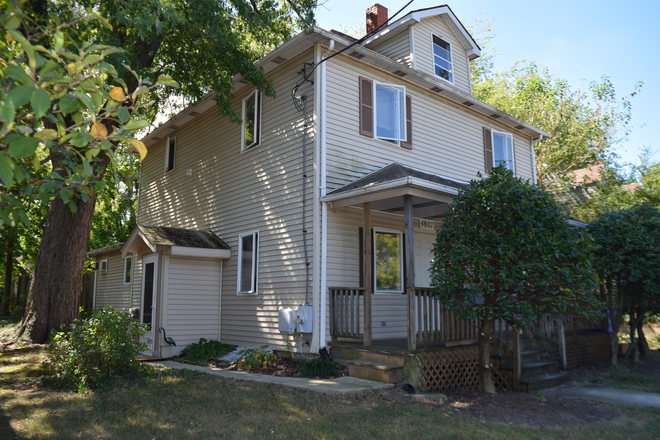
(505, 252)
(627, 259)
(201, 44)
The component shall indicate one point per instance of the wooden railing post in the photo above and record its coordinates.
(562, 344)
(410, 273)
(517, 365)
(367, 261)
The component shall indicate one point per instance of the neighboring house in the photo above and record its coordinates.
(312, 199)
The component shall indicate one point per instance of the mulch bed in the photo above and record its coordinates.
(282, 367)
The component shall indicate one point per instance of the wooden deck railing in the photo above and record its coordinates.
(345, 318)
(434, 324)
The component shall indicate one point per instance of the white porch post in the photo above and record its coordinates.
(410, 270)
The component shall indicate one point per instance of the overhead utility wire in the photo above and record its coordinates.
(359, 41)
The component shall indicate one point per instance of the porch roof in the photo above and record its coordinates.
(176, 241)
(384, 187)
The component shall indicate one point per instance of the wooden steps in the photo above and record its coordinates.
(377, 366)
(537, 371)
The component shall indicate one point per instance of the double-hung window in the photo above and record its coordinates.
(248, 251)
(128, 269)
(388, 261)
(390, 114)
(251, 128)
(442, 64)
(502, 149)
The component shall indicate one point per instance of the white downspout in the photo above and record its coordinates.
(316, 220)
(531, 147)
(324, 206)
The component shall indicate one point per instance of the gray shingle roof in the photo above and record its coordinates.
(392, 172)
(182, 237)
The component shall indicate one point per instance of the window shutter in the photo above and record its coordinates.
(408, 142)
(366, 107)
(488, 150)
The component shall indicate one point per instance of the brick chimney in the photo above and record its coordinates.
(376, 15)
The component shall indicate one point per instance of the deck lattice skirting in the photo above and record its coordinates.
(452, 369)
(581, 351)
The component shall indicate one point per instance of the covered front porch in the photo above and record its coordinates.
(394, 263)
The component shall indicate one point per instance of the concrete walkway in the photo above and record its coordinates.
(607, 394)
(341, 385)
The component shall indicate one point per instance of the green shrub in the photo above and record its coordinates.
(318, 367)
(204, 350)
(253, 357)
(96, 348)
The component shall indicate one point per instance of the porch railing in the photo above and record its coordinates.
(345, 305)
(435, 324)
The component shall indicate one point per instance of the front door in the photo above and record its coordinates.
(149, 289)
(423, 258)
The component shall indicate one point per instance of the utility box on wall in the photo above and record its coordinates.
(287, 321)
(304, 319)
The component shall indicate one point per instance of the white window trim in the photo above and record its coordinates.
(101, 263)
(513, 149)
(255, 264)
(375, 109)
(167, 155)
(126, 261)
(400, 234)
(451, 52)
(257, 141)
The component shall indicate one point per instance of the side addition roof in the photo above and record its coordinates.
(176, 241)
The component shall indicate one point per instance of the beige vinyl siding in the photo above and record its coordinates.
(396, 48)
(110, 288)
(423, 50)
(447, 137)
(344, 267)
(192, 302)
(233, 193)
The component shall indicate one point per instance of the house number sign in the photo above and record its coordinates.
(426, 224)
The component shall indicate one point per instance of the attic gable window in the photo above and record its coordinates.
(390, 112)
(251, 128)
(442, 64)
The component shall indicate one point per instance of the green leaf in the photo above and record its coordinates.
(6, 170)
(87, 167)
(66, 194)
(27, 47)
(18, 74)
(59, 41)
(21, 95)
(136, 125)
(80, 139)
(40, 101)
(68, 104)
(23, 147)
(123, 114)
(8, 112)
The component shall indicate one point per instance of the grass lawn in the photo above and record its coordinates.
(173, 405)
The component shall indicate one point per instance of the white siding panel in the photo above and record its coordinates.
(232, 193)
(110, 288)
(447, 137)
(396, 48)
(423, 50)
(193, 304)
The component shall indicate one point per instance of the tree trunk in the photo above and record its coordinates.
(55, 295)
(642, 343)
(615, 316)
(485, 370)
(9, 265)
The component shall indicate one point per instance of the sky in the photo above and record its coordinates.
(576, 40)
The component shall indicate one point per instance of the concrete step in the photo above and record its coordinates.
(371, 370)
(542, 381)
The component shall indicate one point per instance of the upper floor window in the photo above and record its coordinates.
(248, 248)
(502, 149)
(128, 268)
(442, 59)
(169, 154)
(390, 114)
(251, 128)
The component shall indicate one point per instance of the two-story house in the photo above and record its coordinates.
(328, 194)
